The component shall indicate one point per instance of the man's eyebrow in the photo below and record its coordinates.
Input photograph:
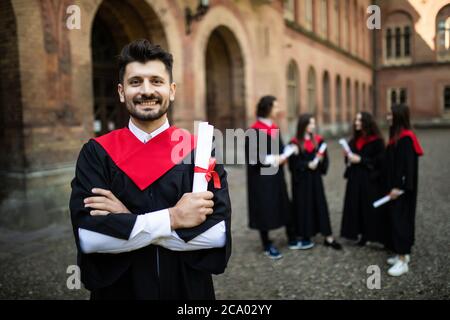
(140, 76)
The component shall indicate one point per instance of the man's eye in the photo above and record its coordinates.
(134, 82)
(157, 81)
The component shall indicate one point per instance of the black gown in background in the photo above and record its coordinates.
(152, 272)
(308, 195)
(362, 189)
(268, 200)
(402, 164)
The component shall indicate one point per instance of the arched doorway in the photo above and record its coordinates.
(115, 24)
(225, 85)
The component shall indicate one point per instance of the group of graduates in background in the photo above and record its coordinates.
(373, 169)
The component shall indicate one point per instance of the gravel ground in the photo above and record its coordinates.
(33, 264)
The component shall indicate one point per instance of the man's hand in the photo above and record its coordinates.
(191, 210)
(105, 203)
(354, 158)
(395, 193)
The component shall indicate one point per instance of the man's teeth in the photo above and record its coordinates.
(148, 103)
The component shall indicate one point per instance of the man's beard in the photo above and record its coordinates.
(147, 115)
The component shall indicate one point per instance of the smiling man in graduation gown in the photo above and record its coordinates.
(139, 231)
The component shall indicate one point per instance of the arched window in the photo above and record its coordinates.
(326, 116)
(339, 116)
(357, 101)
(443, 34)
(292, 91)
(311, 90)
(348, 104)
(398, 35)
(364, 105)
(447, 98)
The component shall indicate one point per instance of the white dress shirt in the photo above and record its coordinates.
(151, 228)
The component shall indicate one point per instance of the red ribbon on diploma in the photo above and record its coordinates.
(210, 173)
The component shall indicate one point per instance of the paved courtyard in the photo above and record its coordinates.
(33, 264)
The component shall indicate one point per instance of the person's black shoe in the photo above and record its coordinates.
(334, 244)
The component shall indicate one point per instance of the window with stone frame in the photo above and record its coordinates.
(289, 9)
(324, 18)
(309, 11)
(398, 39)
(292, 82)
(443, 34)
(396, 96)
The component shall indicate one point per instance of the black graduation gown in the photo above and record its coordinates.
(308, 196)
(152, 272)
(402, 172)
(362, 189)
(268, 200)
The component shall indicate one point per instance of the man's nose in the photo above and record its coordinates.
(147, 88)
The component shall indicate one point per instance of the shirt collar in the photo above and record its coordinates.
(266, 121)
(143, 136)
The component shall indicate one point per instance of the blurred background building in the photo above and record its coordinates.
(58, 86)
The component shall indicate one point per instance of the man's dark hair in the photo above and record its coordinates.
(265, 106)
(142, 51)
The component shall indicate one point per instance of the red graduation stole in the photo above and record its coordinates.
(362, 141)
(308, 145)
(144, 163)
(409, 133)
(271, 131)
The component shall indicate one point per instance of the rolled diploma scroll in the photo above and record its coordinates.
(322, 149)
(288, 151)
(346, 147)
(383, 200)
(202, 155)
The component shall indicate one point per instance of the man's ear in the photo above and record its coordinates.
(121, 92)
(173, 89)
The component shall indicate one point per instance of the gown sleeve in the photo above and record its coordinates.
(405, 172)
(90, 172)
(374, 159)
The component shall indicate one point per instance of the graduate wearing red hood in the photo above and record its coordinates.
(310, 205)
(363, 173)
(402, 164)
(268, 200)
(140, 231)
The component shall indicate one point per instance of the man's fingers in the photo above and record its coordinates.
(95, 199)
(208, 195)
(209, 203)
(99, 213)
(99, 206)
(104, 192)
(209, 211)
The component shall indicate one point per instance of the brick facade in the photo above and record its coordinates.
(237, 52)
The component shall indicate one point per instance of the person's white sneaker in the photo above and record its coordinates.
(399, 268)
(393, 260)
